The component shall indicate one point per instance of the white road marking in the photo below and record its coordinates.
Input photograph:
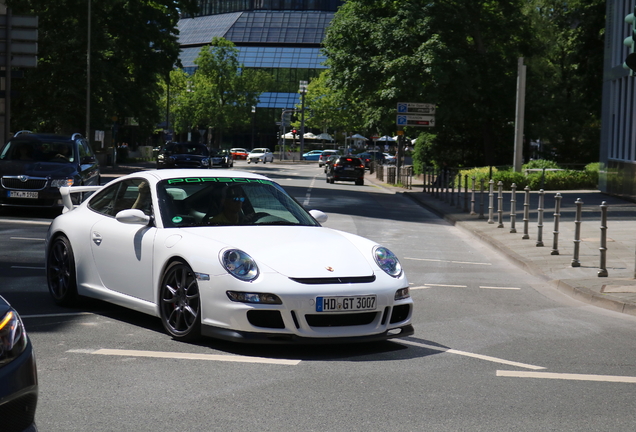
(499, 288)
(57, 315)
(188, 356)
(26, 222)
(447, 261)
(566, 376)
(420, 287)
(26, 238)
(467, 354)
(449, 286)
(308, 194)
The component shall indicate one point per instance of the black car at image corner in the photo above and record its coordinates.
(34, 166)
(347, 168)
(18, 373)
(183, 155)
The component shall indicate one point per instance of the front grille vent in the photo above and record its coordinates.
(335, 280)
(31, 183)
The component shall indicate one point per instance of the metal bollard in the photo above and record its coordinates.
(526, 212)
(459, 190)
(466, 192)
(491, 197)
(452, 189)
(602, 272)
(500, 204)
(540, 224)
(447, 189)
(557, 218)
(513, 207)
(437, 181)
(481, 200)
(472, 198)
(577, 233)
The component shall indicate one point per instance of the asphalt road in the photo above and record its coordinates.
(494, 348)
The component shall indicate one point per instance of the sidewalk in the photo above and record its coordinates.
(616, 292)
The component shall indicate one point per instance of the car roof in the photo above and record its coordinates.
(28, 136)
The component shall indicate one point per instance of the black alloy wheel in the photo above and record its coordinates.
(180, 304)
(60, 272)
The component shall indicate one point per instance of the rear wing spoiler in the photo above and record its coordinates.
(66, 192)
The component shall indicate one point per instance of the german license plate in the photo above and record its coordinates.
(22, 194)
(347, 168)
(345, 304)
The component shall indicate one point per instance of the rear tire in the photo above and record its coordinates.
(60, 272)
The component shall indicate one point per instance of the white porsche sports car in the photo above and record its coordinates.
(225, 254)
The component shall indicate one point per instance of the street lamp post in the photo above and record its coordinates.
(253, 117)
(303, 92)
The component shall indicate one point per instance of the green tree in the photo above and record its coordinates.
(221, 92)
(328, 109)
(133, 44)
(565, 80)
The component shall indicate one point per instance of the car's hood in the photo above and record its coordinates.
(37, 169)
(298, 251)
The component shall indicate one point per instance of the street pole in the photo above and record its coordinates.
(303, 92)
(253, 117)
(88, 77)
(520, 113)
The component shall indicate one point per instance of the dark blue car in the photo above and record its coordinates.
(34, 166)
(18, 374)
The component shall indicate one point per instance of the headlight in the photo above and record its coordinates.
(260, 298)
(62, 182)
(12, 337)
(240, 265)
(387, 261)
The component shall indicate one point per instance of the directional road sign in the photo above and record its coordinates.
(415, 120)
(415, 108)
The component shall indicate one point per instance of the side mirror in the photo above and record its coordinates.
(133, 217)
(321, 217)
(88, 160)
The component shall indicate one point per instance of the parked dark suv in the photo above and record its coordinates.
(34, 166)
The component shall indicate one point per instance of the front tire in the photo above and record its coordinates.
(60, 272)
(180, 303)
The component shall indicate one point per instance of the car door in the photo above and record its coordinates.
(89, 170)
(123, 253)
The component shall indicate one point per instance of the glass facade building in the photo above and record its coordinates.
(282, 37)
(618, 130)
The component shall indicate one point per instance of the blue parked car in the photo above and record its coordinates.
(312, 155)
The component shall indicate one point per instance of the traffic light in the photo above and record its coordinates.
(294, 131)
(630, 60)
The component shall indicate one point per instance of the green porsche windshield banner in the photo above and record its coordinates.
(216, 180)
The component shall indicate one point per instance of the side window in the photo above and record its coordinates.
(84, 149)
(129, 194)
(104, 201)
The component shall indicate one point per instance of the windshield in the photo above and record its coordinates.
(190, 149)
(36, 151)
(224, 201)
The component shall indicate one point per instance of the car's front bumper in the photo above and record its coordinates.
(280, 338)
(297, 318)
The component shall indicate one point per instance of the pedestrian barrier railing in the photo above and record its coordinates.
(391, 175)
(441, 184)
